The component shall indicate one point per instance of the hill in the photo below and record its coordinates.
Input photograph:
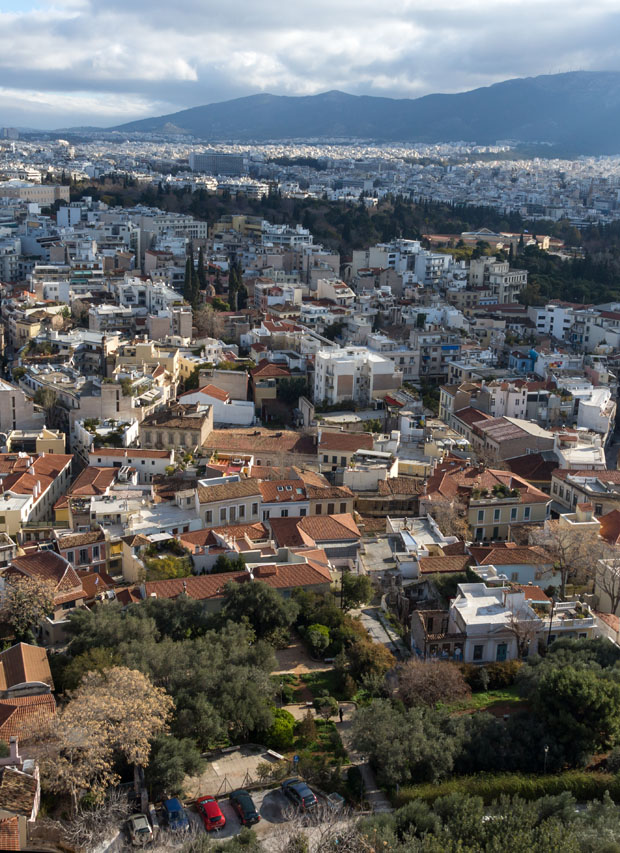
(578, 111)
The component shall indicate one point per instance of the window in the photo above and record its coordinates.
(208, 517)
(265, 514)
(478, 652)
(496, 514)
(343, 507)
(222, 513)
(83, 556)
(232, 514)
(598, 509)
(284, 513)
(318, 509)
(526, 513)
(95, 552)
(335, 460)
(480, 515)
(241, 510)
(325, 458)
(70, 556)
(479, 533)
(302, 511)
(495, 533)
(255, 509)
(514, 577)
(330, 509)
(513, 513)
(343, 461)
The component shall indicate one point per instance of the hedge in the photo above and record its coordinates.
(583, 786)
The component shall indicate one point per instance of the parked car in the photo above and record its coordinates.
(139, 829)
(299, 794)
(175, 816)
(210, 813)
(243, 804)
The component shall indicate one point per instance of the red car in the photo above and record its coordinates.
(210, 813)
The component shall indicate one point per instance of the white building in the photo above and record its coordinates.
(355, 374)
(226, 411)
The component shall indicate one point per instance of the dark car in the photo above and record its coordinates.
(175, 816)
(243, 804)
(299, 794)
(210, 813)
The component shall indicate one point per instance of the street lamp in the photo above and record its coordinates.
(546, 751)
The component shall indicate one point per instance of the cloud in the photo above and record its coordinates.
(104, 61)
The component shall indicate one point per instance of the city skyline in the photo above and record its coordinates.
(76, 62)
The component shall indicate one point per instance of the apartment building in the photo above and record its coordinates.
(354, 373)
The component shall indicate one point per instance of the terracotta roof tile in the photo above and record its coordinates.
(25, 716)
(23, 663)
(260, 440)
(229, 491)
(348, 442)
(433, 565)
(18, 791)
(283, 491)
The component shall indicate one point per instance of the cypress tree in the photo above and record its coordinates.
(202, 278)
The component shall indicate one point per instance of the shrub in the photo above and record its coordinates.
(306, 729)
(318, 638)
(491, 676)
(583, 786)
(281, 734)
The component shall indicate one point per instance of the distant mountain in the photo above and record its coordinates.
(579, 111)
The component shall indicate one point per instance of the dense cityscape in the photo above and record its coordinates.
(310, 525)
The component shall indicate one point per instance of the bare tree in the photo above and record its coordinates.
(451, 518)
(572, 551)
(428, 682)
(522, 625)
(606, 572)
(26, 602)
(208, 322)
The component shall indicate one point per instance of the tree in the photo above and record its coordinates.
(356, 590)
(572, 551)
(429, 682)
(451, 518)
(259, 604)
(208, 322)
(318, 638)
(171, 760)
(127, 707)
(523, 628)
(368, 657)
(606, 573)
(202, 278)
(326, 706)
(92, 660)
(27, 601)
(47, 399)
(281, 735)
(225, 563)
(290, 390)
(580, 707)
(306, 728)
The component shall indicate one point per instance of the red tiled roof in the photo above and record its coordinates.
(610, 526)
(288, 576)
(24, 716)
(267, 369)
(532, 592)
(470, 416)
(209, 391)
(205, 536)
(260, 440)
(43, 470)
(346, 441)
(282, 491)
(432, 565)
(23, 663)
(510, 554)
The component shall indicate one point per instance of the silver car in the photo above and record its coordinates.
(139, 829)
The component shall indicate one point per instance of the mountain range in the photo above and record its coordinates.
(578, 111)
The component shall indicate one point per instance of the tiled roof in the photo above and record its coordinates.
(93, 481)
(612, 476)
(267, 369)
(471, 416)
(610, 526)
(42, 564)
(288, 576)
(510, 554)
(213, 391)
(18, 791)
(348, 442)
(229, 491)
(533, 466)
(432, 565)
(256, 531)
(259, 440)
(23, 663)
(319, 493)
(76, 540)
(532, 592)
(456, 478)
(24, 716)
(44, 470)
(94, 583)
(312, 529)
(129, 595)
(274, 491)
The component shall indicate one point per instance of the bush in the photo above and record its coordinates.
(491, 676)
(281, 734)
(306, 729)
(317, 637)
(429, 682)
(583, 786)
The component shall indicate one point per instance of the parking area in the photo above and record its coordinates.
(227, 771)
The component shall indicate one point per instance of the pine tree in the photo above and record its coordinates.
(202, 278)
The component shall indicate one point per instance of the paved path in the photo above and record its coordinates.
(376, 798)
(381, 632)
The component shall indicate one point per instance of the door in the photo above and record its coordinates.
(501, 651)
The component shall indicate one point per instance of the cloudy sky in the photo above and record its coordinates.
(102, 62)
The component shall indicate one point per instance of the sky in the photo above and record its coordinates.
(65, 63)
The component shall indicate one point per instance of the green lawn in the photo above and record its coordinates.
(486, 699)
(323, 680)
